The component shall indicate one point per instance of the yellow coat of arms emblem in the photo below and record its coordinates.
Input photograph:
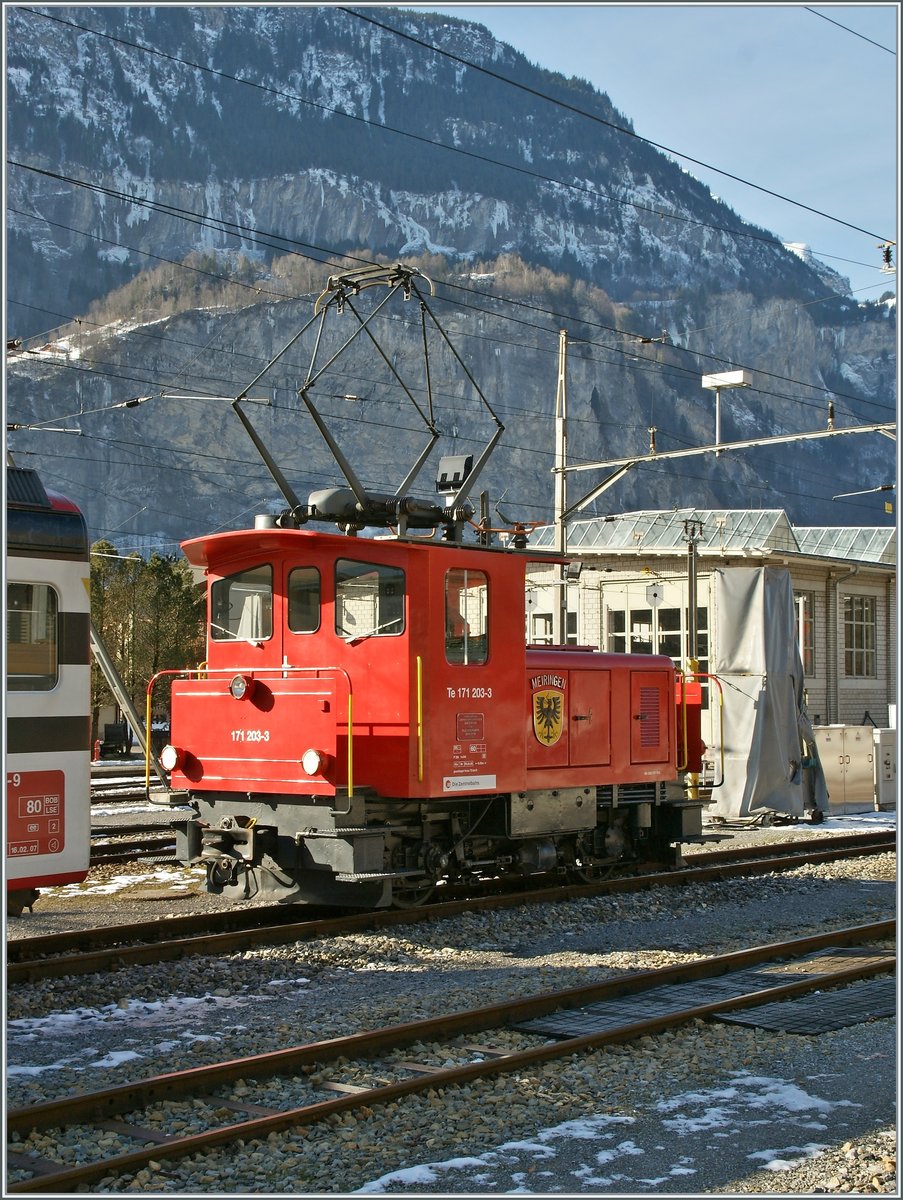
(548, 715)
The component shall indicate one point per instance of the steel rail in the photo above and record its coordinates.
(87, 959)
(155, 846)
(128, 1097)
(876, 838)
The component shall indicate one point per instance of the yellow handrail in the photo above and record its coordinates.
(147, 719)
(350, 751)
(147, 744)
(419, 719)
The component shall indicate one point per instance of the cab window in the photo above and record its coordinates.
(466, 617)
(32, 663)
(241, 606)
(369, 600)
(304, 600)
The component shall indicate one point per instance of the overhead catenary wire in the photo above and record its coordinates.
(93, 366)
(267, 497)
(509, 446)
(595, 422)
(847, 29)
(621, 129)
(532, 450)
(394, 425)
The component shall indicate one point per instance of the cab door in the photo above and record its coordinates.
(473, 675)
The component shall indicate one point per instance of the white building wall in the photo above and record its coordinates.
(620, 581)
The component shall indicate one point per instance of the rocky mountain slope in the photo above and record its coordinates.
(145, 133)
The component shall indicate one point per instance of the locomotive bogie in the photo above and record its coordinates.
(379, 848)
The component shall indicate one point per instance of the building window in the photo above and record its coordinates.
(641, 631)
(658, 631)
(571, 636)
(31, 642)
(617, 626)
(541, 629)
(805, 619)
(669, 633)
(859, 636)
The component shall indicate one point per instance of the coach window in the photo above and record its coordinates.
(466, 617)
(369, 600)
(304, 600)
(241, 606)
(32, 663)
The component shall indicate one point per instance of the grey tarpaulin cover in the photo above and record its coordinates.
(768, 737)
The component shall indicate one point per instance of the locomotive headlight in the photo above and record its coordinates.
(314, 762)
(171, 757)
(242, 687)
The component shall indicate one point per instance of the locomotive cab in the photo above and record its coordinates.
(343, 675)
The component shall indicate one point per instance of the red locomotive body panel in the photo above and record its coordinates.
(429, 715)
(253, 744)
(473, 678)
(599, 718)
(307, 681)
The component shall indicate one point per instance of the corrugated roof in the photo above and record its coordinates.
(858, 542)
(721, 530)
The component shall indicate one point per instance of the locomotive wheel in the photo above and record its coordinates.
(584, 874)
(412, 897)
(580, 863)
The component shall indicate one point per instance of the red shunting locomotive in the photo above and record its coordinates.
(370, 723)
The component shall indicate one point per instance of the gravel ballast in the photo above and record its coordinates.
(820, 1108)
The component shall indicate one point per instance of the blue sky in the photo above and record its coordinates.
(775, 94)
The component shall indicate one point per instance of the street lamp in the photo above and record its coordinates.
(726, 379)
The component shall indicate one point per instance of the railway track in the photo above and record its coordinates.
(133, 843)
(230, 930)
(359, 1072)
(123, 782)
(114, 793)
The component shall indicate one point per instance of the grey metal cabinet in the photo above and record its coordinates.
(885, 768)
(847, 754)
